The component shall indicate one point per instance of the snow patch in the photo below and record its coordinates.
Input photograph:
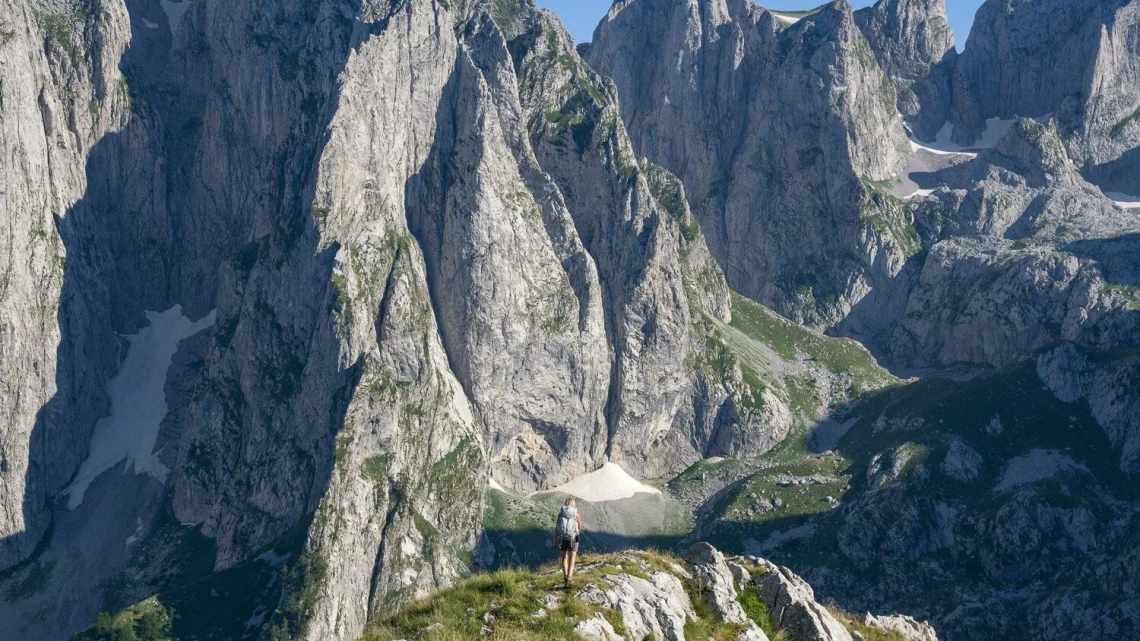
(608, 483)
(940, 150)
(919, 193)
(494, 485)
(138, 402)
(148, 24)
(174, 12)
(1037, 465)
(1124, 201)
(784, 18)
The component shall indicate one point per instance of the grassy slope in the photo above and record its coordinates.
(792, 342)
(514, 596)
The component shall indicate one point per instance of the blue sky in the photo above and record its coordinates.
(581, 16)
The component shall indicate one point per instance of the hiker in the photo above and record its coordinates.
(567, 534)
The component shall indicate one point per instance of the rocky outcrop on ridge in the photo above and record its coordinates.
(638, 595)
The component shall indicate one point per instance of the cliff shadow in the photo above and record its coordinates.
(139, 238)
(1118, 257)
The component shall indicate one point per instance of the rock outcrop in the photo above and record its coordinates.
(429, 243)
(657, 607)
(637, 595)
(793, 607)
(1018, 259)
(717, 583)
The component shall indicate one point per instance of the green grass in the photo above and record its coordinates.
(667, 189)
(59, 27)
(1032, 418)
(375, 468)
(512, 595)
(889, 215)
(797, 500)
(756, 610)
(563, 119)
(147, 620)
(792, 342)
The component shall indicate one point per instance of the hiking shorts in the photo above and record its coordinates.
(569, 545)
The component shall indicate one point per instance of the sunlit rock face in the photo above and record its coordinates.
(778, 131)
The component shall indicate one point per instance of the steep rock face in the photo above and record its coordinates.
(62, 97)
(772, 128)
(412, 282)
(656, 276)
(914, 45)
(1077, 60)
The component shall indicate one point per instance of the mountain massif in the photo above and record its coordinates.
(310, 309)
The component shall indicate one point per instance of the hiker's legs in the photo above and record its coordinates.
(572, 558)
(564, 562)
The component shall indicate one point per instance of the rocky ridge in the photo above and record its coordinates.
(640, 595)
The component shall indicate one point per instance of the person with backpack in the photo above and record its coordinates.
(567, 534)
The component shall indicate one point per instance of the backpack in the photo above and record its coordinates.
(566, 529)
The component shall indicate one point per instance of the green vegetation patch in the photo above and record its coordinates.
(147, 620)
(756, 610)
(791, 341)
(788, 492)
(667, 189)
(889, 216)
(513, 597)
(60, 26)
(375, 468)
